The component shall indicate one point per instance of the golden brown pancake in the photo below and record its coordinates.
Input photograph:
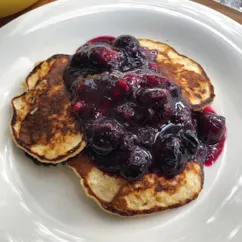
(185, 72)
(43, 124)
(151, 194)
(55, 137)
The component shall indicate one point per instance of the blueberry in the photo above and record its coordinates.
(126, 110)
(104, 83)
(94, 57)
(128, 141)
(163, 113)
(174, 90)
(130, 112)
(169, 153)
(126, 42)
(85, 111)
(136, 165)
(159, 100)
(182, 113)
(109, 162)
(146, 136)
(190, 141)
(80, 59)
(104, 135)
(210, 127)
(201, 154)
(171, 128)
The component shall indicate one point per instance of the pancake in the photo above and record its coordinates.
(60, 139)
(43, 124)
(185, 72)
(151, 194)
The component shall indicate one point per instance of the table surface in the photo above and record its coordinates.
(234, 14)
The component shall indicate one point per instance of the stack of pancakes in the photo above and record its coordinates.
(44, 126)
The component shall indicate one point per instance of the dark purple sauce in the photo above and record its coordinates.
(214, 151)
(135, 120)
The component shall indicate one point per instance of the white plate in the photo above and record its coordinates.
(47, 204)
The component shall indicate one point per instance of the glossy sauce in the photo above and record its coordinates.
(135, 120)
(214, 151)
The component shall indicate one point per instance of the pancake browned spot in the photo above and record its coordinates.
(185, 72)
(152, 193)
(43, 123)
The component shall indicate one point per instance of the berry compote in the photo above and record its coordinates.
(135, 119)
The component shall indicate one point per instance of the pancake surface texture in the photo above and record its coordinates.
(186, 73)
(43, 124)
(152, 193)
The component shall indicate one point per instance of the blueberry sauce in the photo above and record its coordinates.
(135, 119)
(214, 151)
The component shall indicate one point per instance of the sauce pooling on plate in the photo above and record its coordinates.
(214, 151)
(134, 118)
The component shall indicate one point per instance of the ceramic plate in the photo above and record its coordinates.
(41, 204)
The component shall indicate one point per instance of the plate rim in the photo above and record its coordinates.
(12, 24)
(159, 3)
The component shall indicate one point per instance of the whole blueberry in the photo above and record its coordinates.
(190, 142)
(169, 153)
(137, 164)
(159, 100)
(104, 135)
(146, 136)
(210, 127)
(126, 42)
